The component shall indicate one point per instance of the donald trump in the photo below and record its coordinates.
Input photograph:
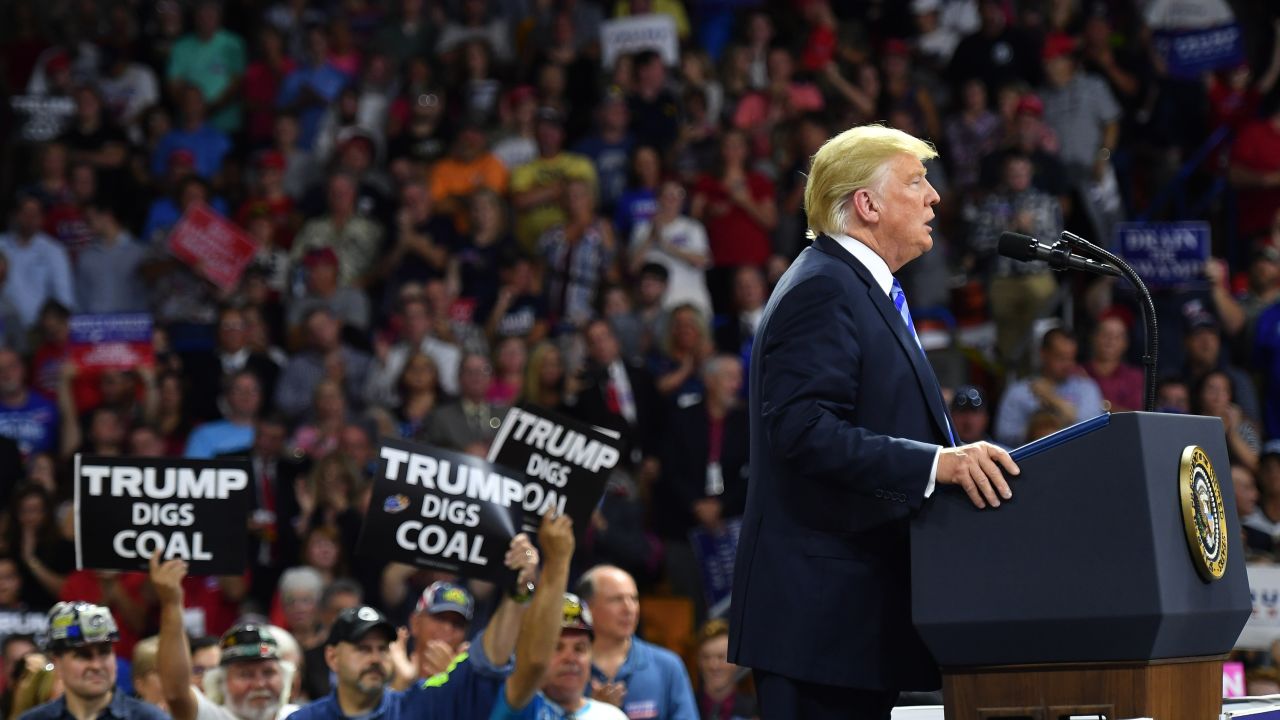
(849, 437)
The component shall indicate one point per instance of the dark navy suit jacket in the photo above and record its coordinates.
(846, 418)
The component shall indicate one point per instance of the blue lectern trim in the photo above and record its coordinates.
(1065, 435)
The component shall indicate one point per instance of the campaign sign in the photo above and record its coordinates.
(1190, 53)
(1233, 685)
(41, 118)
(111, 342)
(1165, 255)
(565, 463)
(212, 245)
(440, 509)
(627, 35)
(715, 553)
(1263, 625)
(126, 509)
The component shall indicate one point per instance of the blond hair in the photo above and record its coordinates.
(145, 652)
(855, 159)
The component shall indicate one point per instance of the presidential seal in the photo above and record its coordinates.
(1203, 517)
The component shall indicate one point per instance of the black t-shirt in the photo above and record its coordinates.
(655, 122)
(60, 557)
(520, 318)
(478, 272)
(117, 181)
(413, 268)
(105, 134)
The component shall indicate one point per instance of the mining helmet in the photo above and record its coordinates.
(76, 624)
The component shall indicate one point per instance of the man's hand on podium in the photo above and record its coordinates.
(976, 469)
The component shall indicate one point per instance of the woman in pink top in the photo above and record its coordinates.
(508, 371)
(320, 436)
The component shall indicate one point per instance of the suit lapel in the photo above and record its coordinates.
(880, 301)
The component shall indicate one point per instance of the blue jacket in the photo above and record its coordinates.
(122, 707)
(846, 419)
(657, 684)
(468, 688)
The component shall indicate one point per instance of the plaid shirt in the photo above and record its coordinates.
(997, 214)
(574, 271)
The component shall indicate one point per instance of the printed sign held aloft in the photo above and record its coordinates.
(624, 36)
(212, 245)
(716, 553)
(128, 508)
(1165, 255)
(440, 509)
(565, 463)
(111, 342)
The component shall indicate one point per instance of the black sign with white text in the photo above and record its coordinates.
(441, 509)
(128, 508)
(565, 463)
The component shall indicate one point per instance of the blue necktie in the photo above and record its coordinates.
(900, 304)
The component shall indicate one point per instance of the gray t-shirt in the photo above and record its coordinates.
(1078, 112)
(107, 278)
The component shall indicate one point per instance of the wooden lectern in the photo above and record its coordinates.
(1112, 584)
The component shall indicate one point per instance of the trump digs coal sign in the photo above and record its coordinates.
(128, 508)
(440, 509)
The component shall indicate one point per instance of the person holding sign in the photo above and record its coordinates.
(81, 643)
(553, 657)
(465, 689)
(252, 678)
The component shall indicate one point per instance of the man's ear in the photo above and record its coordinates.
(866, 205)
(331, 657)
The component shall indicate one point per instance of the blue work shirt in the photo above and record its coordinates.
(122, 707)
(657, 684)
(468, 688)
(541, 708)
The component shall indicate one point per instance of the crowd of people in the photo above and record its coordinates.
(459, 206)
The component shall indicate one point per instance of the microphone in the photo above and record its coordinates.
(1026, 249)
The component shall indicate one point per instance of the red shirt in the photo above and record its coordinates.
(735, 237)
(820, 49)
(279, 210)
(1257, 149)
(261, 86)
(83, 585)
(1229, 107)
(203, 592)
(45, 368)
(65, 222)
(1124, 388)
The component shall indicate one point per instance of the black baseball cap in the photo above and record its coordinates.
(248, 641)
(967, 397)
(354, 623)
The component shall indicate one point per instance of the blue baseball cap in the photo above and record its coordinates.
(443, 597)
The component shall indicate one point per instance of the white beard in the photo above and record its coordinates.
(244, 710)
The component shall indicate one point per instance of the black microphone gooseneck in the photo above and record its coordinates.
(1058, 255)
(1151, 343)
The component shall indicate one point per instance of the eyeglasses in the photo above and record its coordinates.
(967, 398)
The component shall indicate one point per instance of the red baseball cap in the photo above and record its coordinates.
(60, 60)
(320, 256)
(182, 156)
(1031, 105)
(271, 160)
(896, 46)
(1056, 45)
